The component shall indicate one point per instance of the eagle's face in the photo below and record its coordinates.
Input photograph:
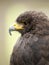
(23, 24)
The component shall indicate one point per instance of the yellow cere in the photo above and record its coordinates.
(18, 26)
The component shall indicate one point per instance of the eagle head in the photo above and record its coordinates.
(23, 23)
(32, 22)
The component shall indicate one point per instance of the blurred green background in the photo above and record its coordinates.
(9, 11)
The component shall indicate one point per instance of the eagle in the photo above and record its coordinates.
(33, 46)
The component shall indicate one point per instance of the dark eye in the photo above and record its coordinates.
(25, 23)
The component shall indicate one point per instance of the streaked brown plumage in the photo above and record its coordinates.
(33, 46)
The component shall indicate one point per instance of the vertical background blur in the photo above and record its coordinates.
(9, 11)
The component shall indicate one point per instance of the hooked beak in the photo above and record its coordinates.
(16, 27)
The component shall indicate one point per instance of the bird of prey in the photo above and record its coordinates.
(33, 46)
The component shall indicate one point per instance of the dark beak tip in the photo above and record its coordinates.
(11, 29)
(10, 32)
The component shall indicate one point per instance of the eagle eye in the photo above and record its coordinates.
(25, 23)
